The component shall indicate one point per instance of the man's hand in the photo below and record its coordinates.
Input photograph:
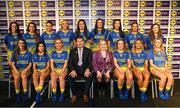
(87, 73)
(73, 74)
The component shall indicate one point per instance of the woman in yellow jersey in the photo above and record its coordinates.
(139, 60)
(122, 64)
(159, 68)
(66, 35)
(58, 66)
(41, 69)
(10, 40)
(31, 37)
(21, 65)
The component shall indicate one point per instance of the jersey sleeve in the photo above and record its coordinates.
(126, 38)
(65, 55)
(146, 55)
(71, 36)
(30, 58)
(132, 55)
(114, 54)
(106, 33)
(34, 60)
(151, 55)
(52, 56)
(92, 34)
(5, 39)
(109, 36)
(48, 58)
(13, 58)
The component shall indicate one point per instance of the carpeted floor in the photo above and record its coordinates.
(98, 101)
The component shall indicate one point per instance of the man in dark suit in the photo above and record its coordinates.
(80, 67)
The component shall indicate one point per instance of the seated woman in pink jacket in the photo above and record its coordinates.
(103, 63)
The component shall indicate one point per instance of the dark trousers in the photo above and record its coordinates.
(80, 76)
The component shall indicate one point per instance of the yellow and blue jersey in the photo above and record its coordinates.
(159, 59)
(40, 61)
(130, 38)
(97, 37)
(66, 37)
(121, 58)
(23, 60)
(113, 36)
(150, 43)
(139, 58)
(86, 37)
(48, 40)
(11, 41)
(59, 58)
(30, 42)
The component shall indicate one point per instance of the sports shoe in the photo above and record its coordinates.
(126, 95)
(18, 98)
(161, 95)
(166, 95)
(61, 97)
(54, 99)
(121, 97)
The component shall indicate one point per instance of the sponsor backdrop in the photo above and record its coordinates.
(145, 12)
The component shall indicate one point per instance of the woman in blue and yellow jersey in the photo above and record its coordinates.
(133, 35)
(159, 68)
(10, 40)
(115, 34)
(48, 37)
(66, 35)
(40, 69)
(31, 37)
(83, 31)
(122, 64)
(155, 32)
(98, 33)
(58, 66)
(139, 59)
(21, 65)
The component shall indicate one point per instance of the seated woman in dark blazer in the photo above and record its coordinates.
(103, 62)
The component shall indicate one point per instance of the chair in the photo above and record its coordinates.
(11, 80)
(91, 88)
(132, 88)
(78, 81)
(155, 79)
(112, 88)
(152, 87)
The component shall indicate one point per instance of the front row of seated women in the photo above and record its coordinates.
(83, 64)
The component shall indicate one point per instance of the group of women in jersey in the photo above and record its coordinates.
(47, 54)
